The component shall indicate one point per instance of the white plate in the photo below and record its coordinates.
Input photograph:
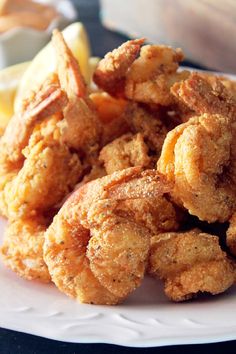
(146, 319)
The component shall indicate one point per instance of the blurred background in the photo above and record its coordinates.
(204, 29)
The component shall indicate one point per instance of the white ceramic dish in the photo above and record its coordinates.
(146, 319)
(22, 44)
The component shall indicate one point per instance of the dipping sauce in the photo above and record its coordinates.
(25, 13)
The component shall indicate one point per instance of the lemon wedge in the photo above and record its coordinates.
(93, 62)
(9, 81)
(45, 61)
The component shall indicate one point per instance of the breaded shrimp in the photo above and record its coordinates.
(195, 156)
(111, 71)
(157, 214)
(127, 151)
(22, 249)
(201, 96)
(151, 75)
(110, 112)
(141, 120)
(213, 79)
(49, 173)
(231, 235)
(50, 170)
(80, 127)
(190, 263)
(48, 100)
(199, 156)
(93, 251)
(146, 79)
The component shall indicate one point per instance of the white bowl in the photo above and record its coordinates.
(23, 43)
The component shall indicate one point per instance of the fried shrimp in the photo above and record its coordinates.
(94, 252)
(110, 112)
(21, 181)
(47, 101)
(44, 150)
(229, 84)
(190, 263)
(146, 79)
(152, 75)
(127, 151)
(202, 96)
(149, 124)
(231, 235)
(111, 71)
(80, 127)
(157, 214)
(22, 249)
(198, 156)
(96, 183)
(49, 173)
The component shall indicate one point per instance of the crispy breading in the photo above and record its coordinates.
(149, 124)
(110, 112)
(96, 243)
(152, 74)
(50, 171)
(199, 156)
(111, 71)
(80, 127)
(156, 214)
(231, 235)
(22, 249)
(127, 151)
(190, 263)
(203, 96)
(227, 82)
(49, 99)
(146, 79)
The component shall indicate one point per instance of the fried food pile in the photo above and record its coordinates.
(103, 185)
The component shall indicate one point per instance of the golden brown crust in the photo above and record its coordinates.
(80, 127)
(127, 151)
(190, 263)
(148, 123)
(48, 164)
(22, 249)
(231, 235)
(199, 156)
(111, 71)
(90, 239)
(147, 79)
(203, 96)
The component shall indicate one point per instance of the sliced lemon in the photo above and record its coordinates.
(93, 62)
(45, 61)
(9, 81)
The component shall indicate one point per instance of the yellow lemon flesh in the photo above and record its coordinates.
(45, 61)
(9, 80)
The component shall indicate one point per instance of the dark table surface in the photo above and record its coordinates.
(12, 342)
